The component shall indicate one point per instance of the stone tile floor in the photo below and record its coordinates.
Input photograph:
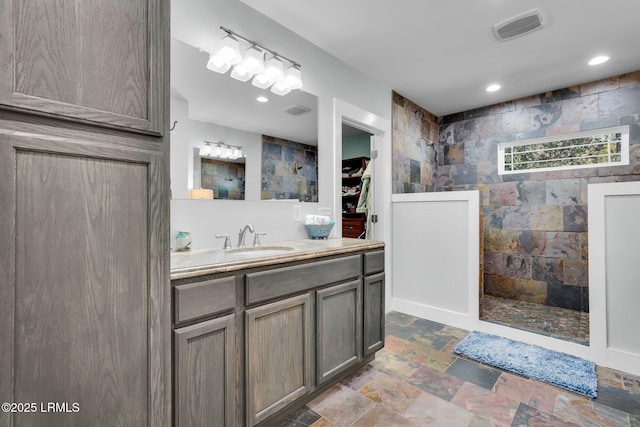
(416, 380)
(569, 325)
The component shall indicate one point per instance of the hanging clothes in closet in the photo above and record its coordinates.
(364, 202)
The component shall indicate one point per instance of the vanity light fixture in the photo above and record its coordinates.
(226, 55)
(221, 150)
(599, 60)
(251, 65)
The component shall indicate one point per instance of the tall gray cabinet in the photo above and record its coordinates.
(84, 212)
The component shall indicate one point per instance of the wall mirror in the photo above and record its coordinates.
(278, 138)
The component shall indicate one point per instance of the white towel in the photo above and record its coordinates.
(317, 219)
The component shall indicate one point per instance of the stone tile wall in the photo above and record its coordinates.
(535, 224)
(289, 170)
(415, 134)
(226, 179)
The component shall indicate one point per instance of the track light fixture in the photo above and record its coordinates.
(251, 64)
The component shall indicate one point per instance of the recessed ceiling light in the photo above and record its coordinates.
(262, 99)
(599, 60)
(494, 87)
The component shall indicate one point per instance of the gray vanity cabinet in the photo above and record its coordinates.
(339, 326)
(205, 373)
(278, 355)
(299, 328)
(84, 211)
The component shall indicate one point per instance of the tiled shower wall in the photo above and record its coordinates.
(289, 170)
(535, 224)
(415, 134)
(226, 179)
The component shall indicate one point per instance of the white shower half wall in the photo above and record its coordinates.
(614, 264)
(436, 265)
(436, 256)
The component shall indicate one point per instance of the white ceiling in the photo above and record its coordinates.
(442, 54)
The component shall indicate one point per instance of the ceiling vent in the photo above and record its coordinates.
(297, 110)
(518, 25)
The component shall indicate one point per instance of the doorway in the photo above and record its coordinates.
(356, 183)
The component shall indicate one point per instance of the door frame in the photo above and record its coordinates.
(380, 128)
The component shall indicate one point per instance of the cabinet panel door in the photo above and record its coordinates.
(339, 325)
(92, 60)
(278, 355)
(205, 373)
(373, 313)
(83, 306)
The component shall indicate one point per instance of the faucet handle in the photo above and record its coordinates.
(256, 238)
(227, 242)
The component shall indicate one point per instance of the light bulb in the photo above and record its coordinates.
(225, 152)
(280, 88)
(237, 153)
(215, 151)
(206, 150)
(261, 80)
(229, 50)
(253, 60)
(293, 77)
(241, 73)
(218, 64)
(273, 69)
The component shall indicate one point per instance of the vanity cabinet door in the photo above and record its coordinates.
(89, 60)
(278, 355)
(373, 313)
(339, 326)
(205, 373)
(85, 299)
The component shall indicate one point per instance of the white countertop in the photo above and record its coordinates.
(209, 261)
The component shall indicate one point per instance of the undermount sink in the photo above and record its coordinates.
(260, 250)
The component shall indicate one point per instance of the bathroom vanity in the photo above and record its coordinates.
(258, 332)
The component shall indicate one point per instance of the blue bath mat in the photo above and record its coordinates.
(560, 369)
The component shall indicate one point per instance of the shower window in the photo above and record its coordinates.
(596, 148)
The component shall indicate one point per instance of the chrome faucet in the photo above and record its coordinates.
(227, 242)
(242, 233)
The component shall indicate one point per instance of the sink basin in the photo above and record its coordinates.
(201, 257)
(260, 250)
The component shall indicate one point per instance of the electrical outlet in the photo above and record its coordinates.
(297, 213)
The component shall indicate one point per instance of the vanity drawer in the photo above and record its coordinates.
(373, 262)
(199, 299)
(272, 284)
